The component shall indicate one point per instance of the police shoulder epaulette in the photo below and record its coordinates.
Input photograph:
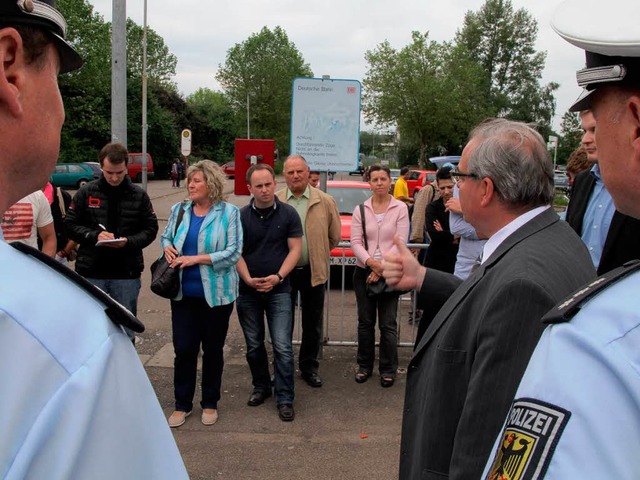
(116, 312)
(565, 310)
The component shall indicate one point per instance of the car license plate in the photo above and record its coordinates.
(342, 260)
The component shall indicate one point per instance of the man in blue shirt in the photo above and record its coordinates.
(470, 249)
(611, 237)
(272, 246)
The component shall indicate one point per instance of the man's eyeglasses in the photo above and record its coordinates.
(461, 176)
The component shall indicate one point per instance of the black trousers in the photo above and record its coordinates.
(195, 323)
(384, 307)
(312, 304)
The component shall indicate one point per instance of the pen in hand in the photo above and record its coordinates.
(107, 235)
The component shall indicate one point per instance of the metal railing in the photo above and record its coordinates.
(340, 320)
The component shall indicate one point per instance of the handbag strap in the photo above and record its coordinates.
(180, 215)
(364, 227)
(61, 205)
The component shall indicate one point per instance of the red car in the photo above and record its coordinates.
(416, 178)
(229, 169)
(348, 195)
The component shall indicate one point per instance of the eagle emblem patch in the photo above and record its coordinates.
(528, 441)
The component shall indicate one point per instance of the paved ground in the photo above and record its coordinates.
(342, 430)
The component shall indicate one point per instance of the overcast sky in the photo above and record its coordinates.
(332, 35)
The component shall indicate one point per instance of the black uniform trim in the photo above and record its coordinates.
(565, 310)
(116, 312)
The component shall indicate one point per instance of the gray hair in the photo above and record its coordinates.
(296, 156)
(514, 156)
(214, 177)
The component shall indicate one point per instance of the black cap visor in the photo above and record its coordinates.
(70, 60)
(583, 102)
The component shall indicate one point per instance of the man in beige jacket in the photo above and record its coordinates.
(321, 224)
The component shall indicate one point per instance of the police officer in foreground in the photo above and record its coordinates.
(576, 413)
(76, 402)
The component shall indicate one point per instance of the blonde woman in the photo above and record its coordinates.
(206, 246)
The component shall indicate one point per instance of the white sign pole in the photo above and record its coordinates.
(185, 146)
(185, 142)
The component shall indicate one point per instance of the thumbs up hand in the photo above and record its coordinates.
(400, 268)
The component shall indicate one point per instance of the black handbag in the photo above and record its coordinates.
(165, 280)
(380, 286)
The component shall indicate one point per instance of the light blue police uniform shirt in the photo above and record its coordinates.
(597, 217)
(578, 405)
(470, 247)
(76, 401)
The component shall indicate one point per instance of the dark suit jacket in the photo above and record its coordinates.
(467, 366)
(623, 239)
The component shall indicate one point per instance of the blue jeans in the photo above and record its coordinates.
(251, 310)
(194, 323)
(124, 291)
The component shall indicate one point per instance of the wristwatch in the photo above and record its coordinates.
(279, 277)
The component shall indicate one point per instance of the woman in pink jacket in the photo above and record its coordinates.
(384, 217)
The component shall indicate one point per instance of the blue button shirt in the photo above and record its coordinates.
(76, 401)
(470, 245)
(577, 410)
(597, 217)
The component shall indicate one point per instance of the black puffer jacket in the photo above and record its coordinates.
(125, 211)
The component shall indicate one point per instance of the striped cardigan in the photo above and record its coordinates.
(220, 236)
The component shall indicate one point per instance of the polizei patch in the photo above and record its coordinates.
(529, 438)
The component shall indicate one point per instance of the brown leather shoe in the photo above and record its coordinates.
(178, 418)
(209, 416)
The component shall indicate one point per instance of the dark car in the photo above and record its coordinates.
(95, 166)
(561, 181)
(358, 171)
(71, 175)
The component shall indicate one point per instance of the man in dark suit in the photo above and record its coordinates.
(468, 364)
(611, 237)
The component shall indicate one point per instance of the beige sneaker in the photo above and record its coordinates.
(209, 416)
(178, 418)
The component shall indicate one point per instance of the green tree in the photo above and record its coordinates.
(570, 136)
(161, 63)
(86, 92)
(260, 71)
(163, 133)
(503, 42)
(214, 128)
(429, 90)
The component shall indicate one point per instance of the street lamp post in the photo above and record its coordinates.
(144, 100)
(119, 72)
